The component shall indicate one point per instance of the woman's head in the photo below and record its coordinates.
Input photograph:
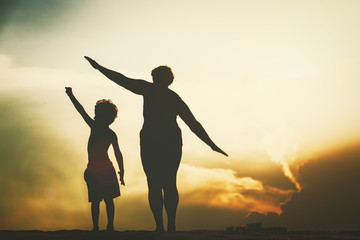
(105, 111)
(162, 75)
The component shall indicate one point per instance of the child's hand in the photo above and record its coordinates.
(68, 90)
(122, 178)
(93, 63)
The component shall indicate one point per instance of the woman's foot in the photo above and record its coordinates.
(95, 229)
(171, 229)
(159, 230)
(110, 228)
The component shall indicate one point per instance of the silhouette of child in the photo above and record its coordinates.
(100, 175)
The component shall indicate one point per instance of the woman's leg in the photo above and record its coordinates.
(160, 166)
(171, 195)
(156, 202)
(171, 200)
(110, 210)
(95, 214)
(149, 161)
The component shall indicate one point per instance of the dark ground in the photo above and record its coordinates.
(190, 235)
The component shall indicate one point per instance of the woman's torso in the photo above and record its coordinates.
(161, 107)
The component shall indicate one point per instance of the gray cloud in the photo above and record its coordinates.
(27, 28)
(35, 13)
(37, 170)
(270, 174)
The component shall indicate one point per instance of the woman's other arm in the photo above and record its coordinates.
(187, 116)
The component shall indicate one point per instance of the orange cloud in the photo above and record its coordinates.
(222, 188)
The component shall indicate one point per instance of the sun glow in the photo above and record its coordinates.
(272, 82)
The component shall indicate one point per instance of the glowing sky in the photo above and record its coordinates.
(275, 84)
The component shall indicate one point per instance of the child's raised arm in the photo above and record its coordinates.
(78, 106)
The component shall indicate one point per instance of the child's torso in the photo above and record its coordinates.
(99, 142)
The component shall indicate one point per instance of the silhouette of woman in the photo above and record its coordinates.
(160, 137)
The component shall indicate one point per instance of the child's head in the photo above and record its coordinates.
(105, 111)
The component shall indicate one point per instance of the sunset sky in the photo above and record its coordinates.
(274, 82)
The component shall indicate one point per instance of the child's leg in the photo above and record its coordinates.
(95, 214)
(110, 210)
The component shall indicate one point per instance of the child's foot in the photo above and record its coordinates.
(95, 229)
(110, 228)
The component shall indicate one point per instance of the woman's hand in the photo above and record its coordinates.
(217, 149)
(93, 63)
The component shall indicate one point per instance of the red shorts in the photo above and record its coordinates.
(101, 180)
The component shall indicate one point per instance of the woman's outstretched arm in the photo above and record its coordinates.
(134, 85)
(187, 116)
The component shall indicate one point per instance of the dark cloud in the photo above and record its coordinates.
(269, 173)
(6, 8)
(330, 196)
(28, 28)
(37, 170)
(36, 13)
